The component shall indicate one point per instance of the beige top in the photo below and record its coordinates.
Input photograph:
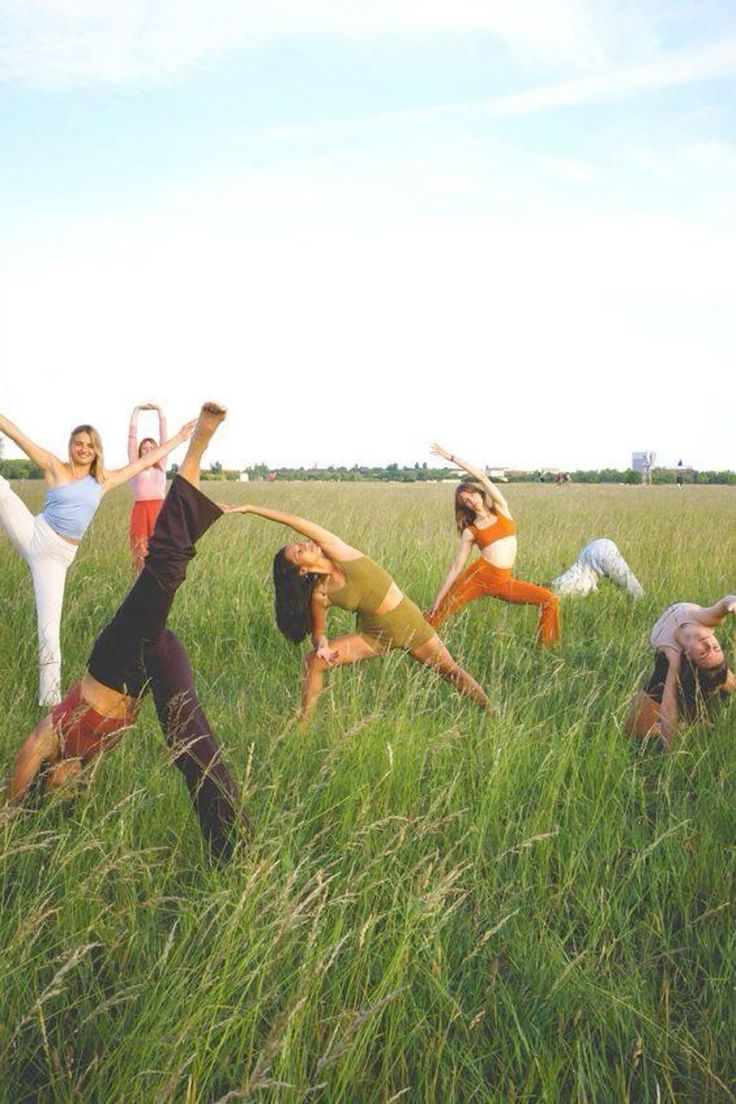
(682, 613)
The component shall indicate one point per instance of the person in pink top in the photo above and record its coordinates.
(149, 486)
(690, 668)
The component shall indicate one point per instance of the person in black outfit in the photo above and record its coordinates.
(135, 653)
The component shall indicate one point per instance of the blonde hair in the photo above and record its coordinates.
(97, 467)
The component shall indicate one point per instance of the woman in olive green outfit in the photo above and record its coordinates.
(324, 571)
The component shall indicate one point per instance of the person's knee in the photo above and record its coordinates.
(313, 664)
(63, 775)
(43, 743)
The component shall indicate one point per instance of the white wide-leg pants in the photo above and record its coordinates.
(49, 556)
(599, 559)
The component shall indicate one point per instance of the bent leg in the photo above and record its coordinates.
(644, 718)
(64, 775)
(436, 655)
(214, 794)
(615, 567)
(352, 648)
(579, 579)
(39, 749)
(15, 518)
(529, 594)
(468, 586)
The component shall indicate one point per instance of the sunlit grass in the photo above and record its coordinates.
(436, 905)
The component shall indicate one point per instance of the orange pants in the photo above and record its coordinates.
(482, 580)
(142, 522)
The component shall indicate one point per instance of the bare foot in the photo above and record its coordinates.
(209, 419)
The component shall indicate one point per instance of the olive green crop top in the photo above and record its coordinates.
(366, 586)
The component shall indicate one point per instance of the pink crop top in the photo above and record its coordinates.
(148, 485)
(682, 613)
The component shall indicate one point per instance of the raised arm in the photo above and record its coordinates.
(495, 495)
(121, 475)
(331, 544)
(40, 456)
(711, 616)
(133, 436)
(162, 427)
(466, 543)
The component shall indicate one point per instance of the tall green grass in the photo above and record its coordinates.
(436, 905)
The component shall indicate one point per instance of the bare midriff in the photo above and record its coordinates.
(393, 596)
(502, 553)
(106, 701)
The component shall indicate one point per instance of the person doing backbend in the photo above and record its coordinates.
(148, 486)
(690, 669)
(600, 559)
(483, 519)
(48, 543)
(323, 571)
(135, 653)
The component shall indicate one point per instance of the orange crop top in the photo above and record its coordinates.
(502, 527)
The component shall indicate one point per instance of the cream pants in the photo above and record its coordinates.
(49, 556)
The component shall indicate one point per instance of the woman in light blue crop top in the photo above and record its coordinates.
(48, 543)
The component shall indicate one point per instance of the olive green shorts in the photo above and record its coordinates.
(402, 627)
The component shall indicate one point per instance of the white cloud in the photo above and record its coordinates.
(687, 67)
(56, 42)
(709, 63)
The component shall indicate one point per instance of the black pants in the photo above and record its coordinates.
(135, 653)
(187, 732)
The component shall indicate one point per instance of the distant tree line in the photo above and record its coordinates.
(418, 473)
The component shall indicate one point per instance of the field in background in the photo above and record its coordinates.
(436, 905)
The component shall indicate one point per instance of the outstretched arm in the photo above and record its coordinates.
(40, 456)
(497, 498)
(713, 615)
(466, 543)
(121, 475)
(331, 544)
(669, 711)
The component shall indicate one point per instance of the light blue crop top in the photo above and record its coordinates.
(70, 507)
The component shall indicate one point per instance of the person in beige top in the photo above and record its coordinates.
(690, 667)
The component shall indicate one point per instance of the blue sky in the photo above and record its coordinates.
(506, 226)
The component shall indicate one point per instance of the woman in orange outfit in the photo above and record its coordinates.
(484, 519)
(149, 486)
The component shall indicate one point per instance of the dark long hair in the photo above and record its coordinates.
(464, 516)
(696, 686)
(293, 598)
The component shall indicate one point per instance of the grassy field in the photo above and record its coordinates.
(436, 905)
